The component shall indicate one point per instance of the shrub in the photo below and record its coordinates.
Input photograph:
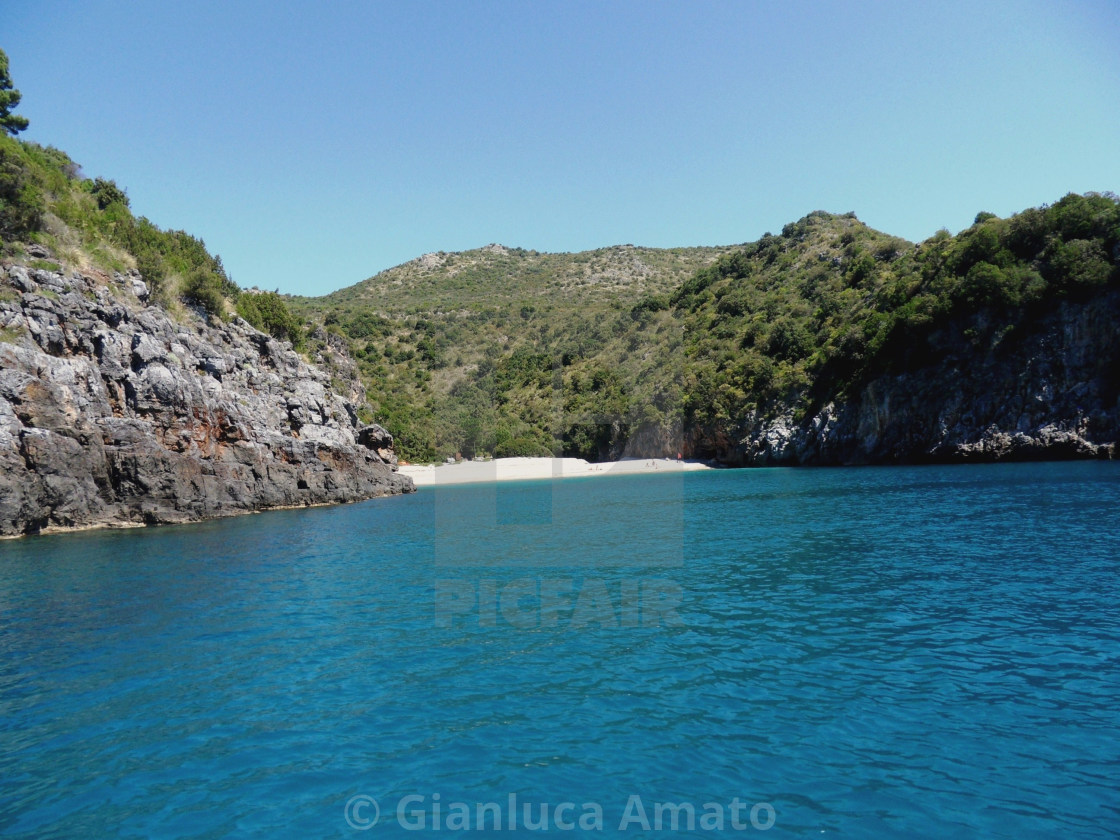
(204, 288)
(522, 446)
(789, 340)
(1079, 262)
(21, 201)
(106, 192)
(268, 312)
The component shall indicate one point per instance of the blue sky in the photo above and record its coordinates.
(314, 144)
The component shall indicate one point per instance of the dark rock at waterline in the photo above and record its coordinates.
(1048, 390)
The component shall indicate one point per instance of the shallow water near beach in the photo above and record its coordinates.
(874, 652)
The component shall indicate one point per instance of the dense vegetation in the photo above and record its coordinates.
(503, 350)
(511, 352)
(815, 313)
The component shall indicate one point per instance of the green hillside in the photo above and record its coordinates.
(465, 346)
(810, 316)
(508, 352)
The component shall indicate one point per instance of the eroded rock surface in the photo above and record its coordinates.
(1049, 390)
(113, 413)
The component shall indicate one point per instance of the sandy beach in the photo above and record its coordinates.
(519, 469)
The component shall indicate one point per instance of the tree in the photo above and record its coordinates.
(9, 99)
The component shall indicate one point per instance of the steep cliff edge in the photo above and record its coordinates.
(1051, 391)
(834, 343)
(114, 413)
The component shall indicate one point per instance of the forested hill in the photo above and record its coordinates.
(828, 343)
(456, 335)
(834, 343)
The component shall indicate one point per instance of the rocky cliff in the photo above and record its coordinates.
(1047, 390)
(114, 413)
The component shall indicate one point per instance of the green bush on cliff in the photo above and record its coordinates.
(203, 288)
(21, 198)
(268, 312)
(106, 193)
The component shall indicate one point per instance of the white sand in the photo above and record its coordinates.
(516, 469)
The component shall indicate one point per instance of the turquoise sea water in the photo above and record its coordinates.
(896, 652)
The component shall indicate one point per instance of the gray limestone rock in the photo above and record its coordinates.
(112, 414)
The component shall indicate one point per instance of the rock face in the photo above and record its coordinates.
(113, 414)
(1050, 390)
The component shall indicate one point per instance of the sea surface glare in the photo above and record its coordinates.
(859, 653)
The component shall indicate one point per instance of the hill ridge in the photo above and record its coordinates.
(478, 347)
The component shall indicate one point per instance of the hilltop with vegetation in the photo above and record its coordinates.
(468, 344)
(769, 352)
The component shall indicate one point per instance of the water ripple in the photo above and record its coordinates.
(877, 653)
